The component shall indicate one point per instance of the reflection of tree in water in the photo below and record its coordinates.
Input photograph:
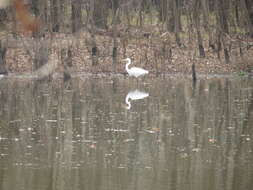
(78, 130)
(243, 154)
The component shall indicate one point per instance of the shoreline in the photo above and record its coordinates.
(111, 75)
(147, 53)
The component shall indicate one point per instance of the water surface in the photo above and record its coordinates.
(82, 134)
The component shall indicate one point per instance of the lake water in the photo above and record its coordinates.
(106, 133)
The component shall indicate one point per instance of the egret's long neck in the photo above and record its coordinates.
(128, 105)
(128, 102)
(127, 64)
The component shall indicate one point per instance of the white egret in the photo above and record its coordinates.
(134, 71)
(2, 76)
(134, 95)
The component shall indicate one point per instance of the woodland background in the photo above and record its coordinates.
(94, 35)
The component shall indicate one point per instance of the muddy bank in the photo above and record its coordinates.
(157, 53)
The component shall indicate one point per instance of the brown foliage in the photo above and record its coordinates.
(28, 21)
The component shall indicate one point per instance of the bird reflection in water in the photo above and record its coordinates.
(134, 95)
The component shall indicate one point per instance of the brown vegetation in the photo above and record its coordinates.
(27, 20)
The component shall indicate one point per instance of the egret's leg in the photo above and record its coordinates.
(137, 79)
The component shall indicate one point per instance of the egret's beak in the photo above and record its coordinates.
(124, 59)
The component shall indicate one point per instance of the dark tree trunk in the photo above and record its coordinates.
(114, 27)
(115, 6)
(35, 10)
(170, 17)
(223, 15)
(249, 5)
(206, 13)
(35, 7)
(55, 16)
(100, 13)
(222, 7)
(3, 16)
(226, 54)
(41, 55)
(247, 8)
(218, 45)
(176, 13)
(76, 15)
(194, 75)
(163, 11)
(3, 69)
(66, 59)
(237, 13)
(196, 17)
(40, 50)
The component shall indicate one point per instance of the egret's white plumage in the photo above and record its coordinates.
(134, 95)
(1, 76)
(134, 71)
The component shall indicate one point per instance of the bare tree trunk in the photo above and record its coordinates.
(41, 50)
(176, 13)
(170, 17)
(218, 41)
(141, 8)
(94, 49)
(247, 9)
(222, 7)
(194, 75)
(35, 9)
(173, 18)
(66, 60)
(126, 11)
(44, 13)
(64, 19)
(115, 43)
(100, 13)
(237, 18)
(76, 15)
(163, 10)
(196, 17)
(3, 69)
(189, 22)
(41, 54)
(223, 15)
(206, 13)
(3, 16)
(55, 16)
